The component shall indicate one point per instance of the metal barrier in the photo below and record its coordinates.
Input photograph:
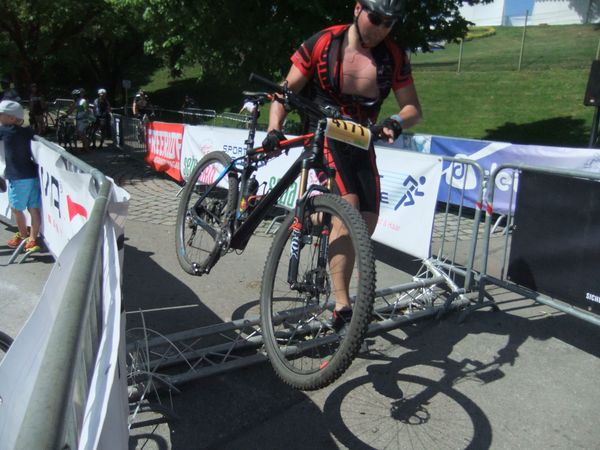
(55, 410)
(498, 248)
(439, 285)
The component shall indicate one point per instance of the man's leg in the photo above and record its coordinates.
(341, 254)
(21, 222)
(36, 220)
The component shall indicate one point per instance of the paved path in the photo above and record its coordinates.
(524, 377)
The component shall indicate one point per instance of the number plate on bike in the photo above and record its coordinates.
(348, 132)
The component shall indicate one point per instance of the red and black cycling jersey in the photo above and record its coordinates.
(320, 60)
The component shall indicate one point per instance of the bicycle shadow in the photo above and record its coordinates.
(414, 397)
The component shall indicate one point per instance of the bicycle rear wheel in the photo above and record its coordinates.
(204, 212)
(296, 322)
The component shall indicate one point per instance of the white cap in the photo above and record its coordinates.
(11, 108)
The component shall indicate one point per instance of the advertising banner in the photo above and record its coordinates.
(492, 154)
(163, 147)
(409, 189)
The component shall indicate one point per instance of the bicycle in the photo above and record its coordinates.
(66, 132)
(97, 131)
(141, 124)
(221, 207)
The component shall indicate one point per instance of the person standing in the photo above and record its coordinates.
(9, 92)
(37, 107)
(83, 117)
(24, 190)
(102, 114)
(353, 68)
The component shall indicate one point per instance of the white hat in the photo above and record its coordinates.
(11, 108)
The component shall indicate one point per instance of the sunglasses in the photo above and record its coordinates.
(378, 20)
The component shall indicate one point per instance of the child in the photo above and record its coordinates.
(22, 174)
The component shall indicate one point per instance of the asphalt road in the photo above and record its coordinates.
(523, 377)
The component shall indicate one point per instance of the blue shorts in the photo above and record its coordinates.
(25, 193)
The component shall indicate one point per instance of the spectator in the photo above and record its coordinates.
(189, 104)
(141, 105)
(9, 92)
(37, 107)
(102, 114)
(83, 118)
(22, 174)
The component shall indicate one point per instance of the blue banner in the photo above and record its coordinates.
(492, 154)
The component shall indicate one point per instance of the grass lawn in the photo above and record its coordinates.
(488, 99)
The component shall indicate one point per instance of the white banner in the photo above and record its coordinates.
(409, 189)
(405, 225)
(67, 202)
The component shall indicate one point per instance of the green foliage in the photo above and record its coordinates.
(566, 46)
(65, 43)
(236, 38)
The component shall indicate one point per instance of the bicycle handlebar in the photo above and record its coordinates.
(296, 101)
(304, 105)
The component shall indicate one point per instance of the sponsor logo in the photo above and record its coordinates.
(592, 297)
(412, 191)
(75, 209)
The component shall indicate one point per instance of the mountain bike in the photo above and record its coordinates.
(221, 206)
(141, 124)
(66, 135)
(98, 130)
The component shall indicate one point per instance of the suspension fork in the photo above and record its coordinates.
(297, 226)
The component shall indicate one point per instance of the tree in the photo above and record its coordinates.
(68, 43)
(230, 39)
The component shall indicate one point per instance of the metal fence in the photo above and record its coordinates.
(436, 285)
(55, 410)
(546, 247)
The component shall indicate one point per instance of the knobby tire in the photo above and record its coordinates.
(194, 244)
(291, 321)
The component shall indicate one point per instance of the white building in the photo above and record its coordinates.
(551, 12)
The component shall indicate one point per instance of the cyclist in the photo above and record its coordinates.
(83, 118)
(37, 107)
(141, 105)
(353, 67)
(102, 111)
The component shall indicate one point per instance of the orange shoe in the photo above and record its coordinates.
(32, 246)
(15, 241)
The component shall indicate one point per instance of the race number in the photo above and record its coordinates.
(348, 132)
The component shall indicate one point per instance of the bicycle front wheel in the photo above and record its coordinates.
(204, 212)
(299, 333)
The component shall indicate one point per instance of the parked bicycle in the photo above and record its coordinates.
(98, 131)
(66, 136)
(222, 205)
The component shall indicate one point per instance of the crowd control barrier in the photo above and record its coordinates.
(549, 250)
(65, 370)
(438, 239)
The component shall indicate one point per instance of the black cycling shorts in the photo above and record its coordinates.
(356, 173)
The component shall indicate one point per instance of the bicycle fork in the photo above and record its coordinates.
(313, 282)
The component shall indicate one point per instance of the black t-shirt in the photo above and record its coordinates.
(17, 152)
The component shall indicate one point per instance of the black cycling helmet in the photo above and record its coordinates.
(387, 8)
(75, 92)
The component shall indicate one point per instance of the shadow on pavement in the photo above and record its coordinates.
(417, 396)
